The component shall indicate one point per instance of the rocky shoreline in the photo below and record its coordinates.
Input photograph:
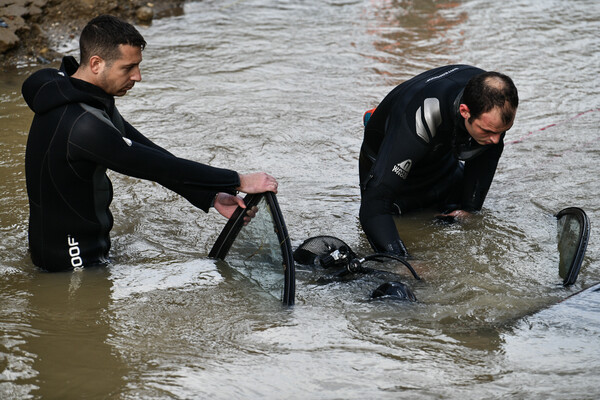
(32, 31)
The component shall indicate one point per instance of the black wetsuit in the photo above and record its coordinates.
(411, 155)
(76, 134)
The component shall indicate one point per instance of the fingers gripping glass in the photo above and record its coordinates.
(260, 250)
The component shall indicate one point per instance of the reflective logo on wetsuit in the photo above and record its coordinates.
(402, 169)
(442, 75)
(74, 252)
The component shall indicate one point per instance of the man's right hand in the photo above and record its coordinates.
(257, 182)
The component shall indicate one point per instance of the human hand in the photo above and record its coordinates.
(251, 213)
(456, 215)
(226, 205)
(257, 182)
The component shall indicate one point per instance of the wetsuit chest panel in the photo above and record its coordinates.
(116, 122)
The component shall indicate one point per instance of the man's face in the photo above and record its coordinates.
(118, 77)
(488, 128)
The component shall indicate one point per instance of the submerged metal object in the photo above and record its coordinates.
(324, 250)
(260, 250)
(394, 290)
(329, 252)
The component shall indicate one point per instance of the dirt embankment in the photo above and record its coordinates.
(31, 31)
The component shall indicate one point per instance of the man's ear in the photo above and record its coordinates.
(96, 64)
(464, 111)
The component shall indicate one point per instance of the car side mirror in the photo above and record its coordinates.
(573, 234)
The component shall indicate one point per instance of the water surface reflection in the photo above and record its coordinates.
(282, 87)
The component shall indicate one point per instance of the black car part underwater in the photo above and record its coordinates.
(573, 236)
(333, 254)
(330, 252)
(236, 223)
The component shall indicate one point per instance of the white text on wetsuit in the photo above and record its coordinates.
(402, 169)
(74, 252)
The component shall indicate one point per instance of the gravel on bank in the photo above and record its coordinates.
(33, 31)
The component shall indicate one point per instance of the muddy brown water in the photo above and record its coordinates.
(281, 87)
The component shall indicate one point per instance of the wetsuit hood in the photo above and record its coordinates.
(50, 88)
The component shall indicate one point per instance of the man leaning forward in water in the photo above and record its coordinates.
(77, 134)
(433, 142)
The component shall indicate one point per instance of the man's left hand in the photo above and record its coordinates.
(456, 215)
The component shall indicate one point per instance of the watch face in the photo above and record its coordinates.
(260, 250)
(573, 234)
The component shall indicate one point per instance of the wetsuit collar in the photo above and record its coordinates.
(69, 65)
(457, 102)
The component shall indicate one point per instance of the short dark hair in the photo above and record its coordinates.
(102, 37)
(488, 90)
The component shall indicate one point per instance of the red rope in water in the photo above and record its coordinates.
(551, 125)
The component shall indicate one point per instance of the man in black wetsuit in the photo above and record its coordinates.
(77, 133)
(433, 142)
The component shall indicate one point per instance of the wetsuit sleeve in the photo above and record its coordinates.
(377, 219)
(199, 198)
(136, 136)
(479, 173)
(95, 140)
(400, 149)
